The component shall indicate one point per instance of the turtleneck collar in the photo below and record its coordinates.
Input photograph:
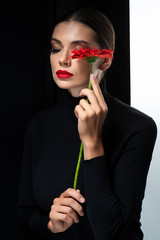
(69, 102)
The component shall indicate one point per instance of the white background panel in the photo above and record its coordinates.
(145, 95)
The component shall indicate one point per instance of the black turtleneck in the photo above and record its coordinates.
(113, 185)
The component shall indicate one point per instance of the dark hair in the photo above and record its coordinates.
(105, 35)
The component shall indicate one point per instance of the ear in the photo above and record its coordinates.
(105, 64)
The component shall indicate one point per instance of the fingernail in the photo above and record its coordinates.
(78, 190)
(82, 200)
(92, 75)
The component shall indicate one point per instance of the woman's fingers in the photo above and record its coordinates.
(93, 106)
(71, 203)
(90, 95)
(95, 97)
(60, 216)
(59, 222)
(66, 210)
(98, 92)
(96, 88)
(79, 111)
(68, 198)
(70, 192)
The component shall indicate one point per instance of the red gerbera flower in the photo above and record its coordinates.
(91, 55)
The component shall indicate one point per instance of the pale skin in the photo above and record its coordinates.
(66, 37)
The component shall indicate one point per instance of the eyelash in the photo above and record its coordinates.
(55, 50)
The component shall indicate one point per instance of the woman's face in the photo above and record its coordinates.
(66, 37)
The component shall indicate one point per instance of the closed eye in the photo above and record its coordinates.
(55, 50)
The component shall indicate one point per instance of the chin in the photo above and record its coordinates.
(64, 84)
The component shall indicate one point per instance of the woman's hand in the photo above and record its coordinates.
(91, 116)
(64, 210)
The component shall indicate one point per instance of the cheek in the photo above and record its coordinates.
(83, 69)
(53, 64)
(52, 61)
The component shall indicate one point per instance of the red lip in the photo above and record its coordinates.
(64, 74)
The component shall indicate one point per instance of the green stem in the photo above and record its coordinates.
(78, 166)
(89, 85)
(81, 146)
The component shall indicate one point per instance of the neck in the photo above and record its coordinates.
(76, 91)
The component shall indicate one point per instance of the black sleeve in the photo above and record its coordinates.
(112, 200)
(29, 213)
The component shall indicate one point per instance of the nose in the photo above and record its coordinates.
(65, 59)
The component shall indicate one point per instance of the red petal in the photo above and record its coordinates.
(95, 52)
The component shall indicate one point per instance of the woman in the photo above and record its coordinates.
(117, 146)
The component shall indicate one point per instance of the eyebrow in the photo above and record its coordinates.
(73, 42)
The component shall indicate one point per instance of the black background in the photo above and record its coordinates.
(26, 84)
